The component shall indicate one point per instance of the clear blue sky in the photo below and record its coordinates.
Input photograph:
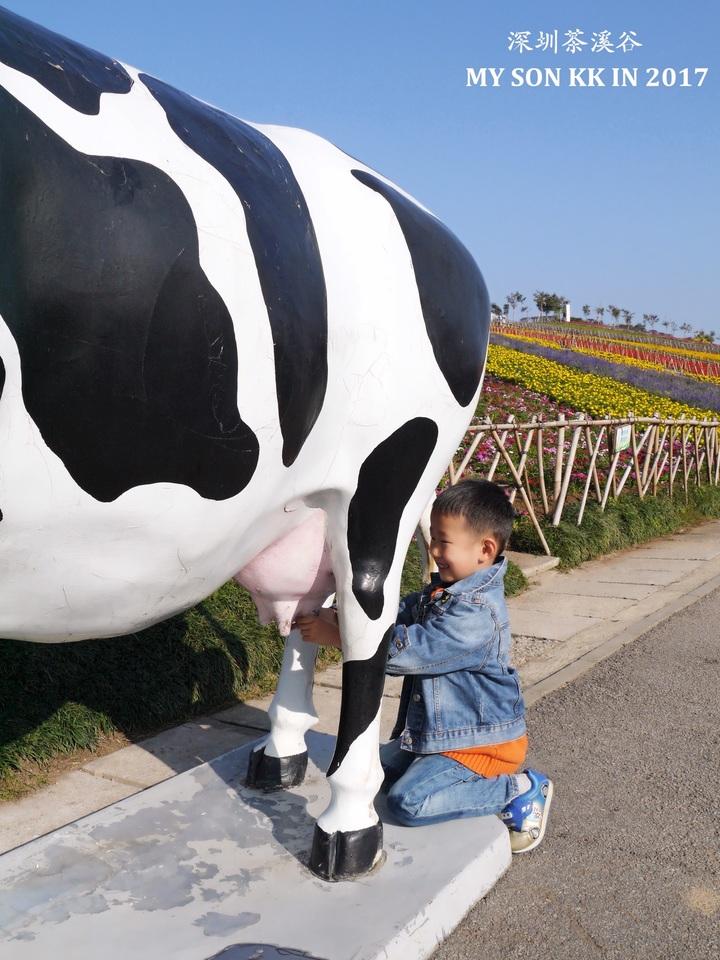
(601, 195)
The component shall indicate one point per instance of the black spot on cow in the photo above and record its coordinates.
(362, 687)
(260, 951)
(2, 384)
(72, 72)
(453, 295)
(387, 480)
(284, 245)
(128, 355)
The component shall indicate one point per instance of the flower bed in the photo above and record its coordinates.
(691, 363)
(599, 386)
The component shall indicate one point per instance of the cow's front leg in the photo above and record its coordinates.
(369, 535)
(281, 760)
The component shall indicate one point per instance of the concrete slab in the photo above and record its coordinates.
(525, 649)
(681, 550)
(532, 564)
(568, 583)
(530, 622)
(173, 751)
(574, 604)
(332, 677)
(199, 864)
(252, 714)
(601, 642)
(636, 574)
(629, 574)
(75, 795)
(393, 686)
(681, 564)
(656, 601)
(327, 706)
(537, 671)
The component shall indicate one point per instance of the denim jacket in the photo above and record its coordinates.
(459, 688)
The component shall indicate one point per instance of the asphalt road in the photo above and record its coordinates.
(630, 864)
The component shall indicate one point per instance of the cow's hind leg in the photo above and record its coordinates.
(292, 576)
(281, 760)
(369, 533)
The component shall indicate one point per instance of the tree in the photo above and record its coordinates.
(496, 309)
(549, 302)
(628, 317)
(614, 312)
(586, 311)
(513, 300)
(542, 301)
(600, 313)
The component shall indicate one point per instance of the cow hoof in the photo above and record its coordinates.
(275, 773)
(346, 856)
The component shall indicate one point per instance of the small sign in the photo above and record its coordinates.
(622, 437)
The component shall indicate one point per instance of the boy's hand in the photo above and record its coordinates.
(321, 629)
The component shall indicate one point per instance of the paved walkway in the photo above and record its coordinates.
(562, 625)
(630, 866)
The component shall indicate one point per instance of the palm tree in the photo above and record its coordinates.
(586, 311)
(628, 317)
(600, 312)
(614, 312)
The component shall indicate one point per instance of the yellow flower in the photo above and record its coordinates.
(594, 394)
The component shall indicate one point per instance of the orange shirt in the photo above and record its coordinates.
(494, 758)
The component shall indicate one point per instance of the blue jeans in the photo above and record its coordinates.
(428, 788)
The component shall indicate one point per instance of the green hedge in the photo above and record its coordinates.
(625, 522)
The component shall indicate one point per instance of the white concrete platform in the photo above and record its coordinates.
(199, 866)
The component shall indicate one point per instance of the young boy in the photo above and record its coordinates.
(460, 738)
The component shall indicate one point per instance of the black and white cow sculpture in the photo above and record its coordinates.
(226, 350)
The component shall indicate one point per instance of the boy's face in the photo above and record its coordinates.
(457, 549)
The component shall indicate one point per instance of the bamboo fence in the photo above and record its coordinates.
(591, 460)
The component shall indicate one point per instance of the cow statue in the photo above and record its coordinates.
(226, 350)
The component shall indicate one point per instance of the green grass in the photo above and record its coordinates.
(56, 698)
(62, 697)
(515, 580)
(625, 522)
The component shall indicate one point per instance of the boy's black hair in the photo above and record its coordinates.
(484, 506)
